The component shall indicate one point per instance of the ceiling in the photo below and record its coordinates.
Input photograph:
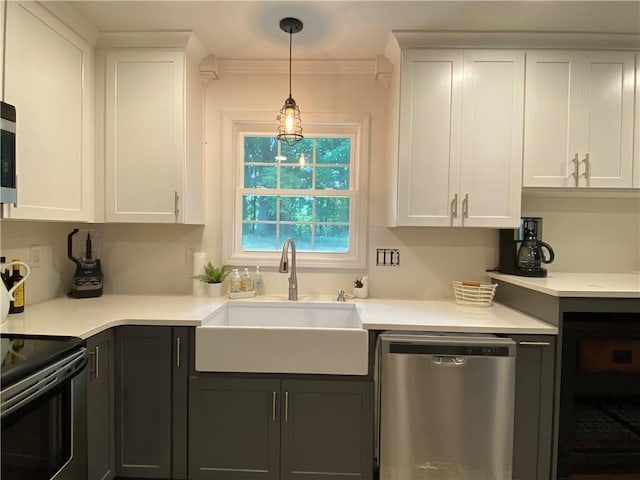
(347, 30)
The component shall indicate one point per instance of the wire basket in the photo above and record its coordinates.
(474, 294)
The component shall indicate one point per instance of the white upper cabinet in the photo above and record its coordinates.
(579, 119)
(460, 138)
(48, 75)
(636, 153)
(153, 136)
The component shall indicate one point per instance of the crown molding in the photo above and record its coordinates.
(517, 39)
(161, 39)
(304, 67)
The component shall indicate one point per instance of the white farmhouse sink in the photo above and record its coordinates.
(283, 337)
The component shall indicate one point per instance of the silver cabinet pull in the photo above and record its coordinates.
(176, 204)
(534, 344)
(274, 396)
(286, 407)
(454, 206)
(178, 352)
(587, 166)
(465, 206)
(97, 370)
(575, 174)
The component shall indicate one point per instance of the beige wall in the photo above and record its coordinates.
(588, 234)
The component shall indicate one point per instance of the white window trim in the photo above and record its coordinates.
(236, 123)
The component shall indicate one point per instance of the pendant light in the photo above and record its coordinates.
(290, 128)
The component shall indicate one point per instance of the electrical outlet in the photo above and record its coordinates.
(35, 255)
(188, 254)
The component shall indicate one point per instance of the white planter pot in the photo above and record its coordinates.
(361, 292)
(214, 290)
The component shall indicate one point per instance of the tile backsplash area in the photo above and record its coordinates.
(595, 235)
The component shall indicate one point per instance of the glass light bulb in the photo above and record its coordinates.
(289, 119)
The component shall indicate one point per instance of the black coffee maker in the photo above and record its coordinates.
(84, 251)
(522, 251)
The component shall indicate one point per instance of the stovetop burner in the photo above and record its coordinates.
(22, 355)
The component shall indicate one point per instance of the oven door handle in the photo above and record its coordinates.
(42, 382)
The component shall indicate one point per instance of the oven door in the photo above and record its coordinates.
(44, 423)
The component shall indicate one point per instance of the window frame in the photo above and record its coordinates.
(237, 125)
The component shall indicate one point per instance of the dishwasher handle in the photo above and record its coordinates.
(449, 360)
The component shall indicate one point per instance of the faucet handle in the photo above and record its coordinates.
(340, 297)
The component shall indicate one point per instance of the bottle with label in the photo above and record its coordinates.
(258, 283)
(17, 305)
(246, 282)
(234, 281)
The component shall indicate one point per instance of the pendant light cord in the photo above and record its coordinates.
(290, 41)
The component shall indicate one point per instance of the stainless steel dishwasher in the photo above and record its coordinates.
(446, 407)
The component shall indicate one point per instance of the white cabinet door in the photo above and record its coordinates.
(578, 119)
(491, 152)
(49, 79)
(636, 148)
(460, 141)
(430, 119)
(144, 136)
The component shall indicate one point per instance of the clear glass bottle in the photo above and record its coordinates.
(246, 282)
(258, 283)
(234, 281)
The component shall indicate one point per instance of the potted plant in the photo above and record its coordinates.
(361, 287)
(213, 277)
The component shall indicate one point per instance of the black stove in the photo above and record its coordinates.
(23, 355)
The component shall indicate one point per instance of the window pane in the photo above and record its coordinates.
(301, 234)
(292, 153)
(296, 209)
(259, 207)
(256, 176)
(258, 236)
(332, 209)
(296, 177)
(332, 238)
(260, 149)
(332, 177)
(333, 150)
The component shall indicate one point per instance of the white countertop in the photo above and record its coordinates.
(86, 317)
(591, 285)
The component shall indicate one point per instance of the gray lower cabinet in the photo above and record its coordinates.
(533, 425)
(279, 428)
(150, 397)
(100, 407)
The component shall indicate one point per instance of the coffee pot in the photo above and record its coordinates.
(6, 296)
(531, 255)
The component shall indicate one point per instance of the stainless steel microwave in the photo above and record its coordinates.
(8, 191)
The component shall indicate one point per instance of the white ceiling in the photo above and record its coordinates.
(347, 30)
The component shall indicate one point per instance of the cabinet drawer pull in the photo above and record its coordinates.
(454, 206)
(286, 407)
(273, 406)
(534, 344)
(176, 206)
(178, 351)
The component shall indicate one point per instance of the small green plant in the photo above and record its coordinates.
(213, 274)
(358, 283)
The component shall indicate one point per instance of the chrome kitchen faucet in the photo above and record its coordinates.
(284, 267)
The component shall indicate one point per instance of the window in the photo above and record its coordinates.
(312, 192)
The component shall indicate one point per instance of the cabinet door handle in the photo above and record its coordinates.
(97, 369)
(176, 204)
(286, 407)
(587, 166)
(465, 206)
(454, 206)
(274, 397)
(575, 174)
(17, 191)
(178, 351)
(534, 344)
